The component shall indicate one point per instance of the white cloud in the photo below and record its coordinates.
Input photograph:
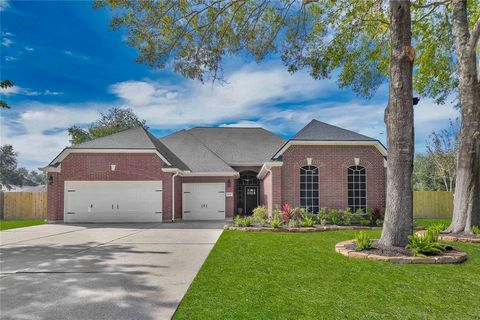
(6, 42)
(10, 90)
(254, 96)
(4, 5)
(27, 92)
(10, 59)
(27, 48)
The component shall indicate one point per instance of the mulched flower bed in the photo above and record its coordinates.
(398, 255)
(315, 228)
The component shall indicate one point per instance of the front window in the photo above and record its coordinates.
(357, 188)
(309, 188)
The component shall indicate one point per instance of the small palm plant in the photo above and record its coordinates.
(426, 244)
(363, 241)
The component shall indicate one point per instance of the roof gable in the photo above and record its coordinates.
(321, 131)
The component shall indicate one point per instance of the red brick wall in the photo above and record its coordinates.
(229, 201)
(333, 162)
(266, 184)
(96, 167)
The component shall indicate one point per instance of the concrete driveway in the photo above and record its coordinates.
(124, 271)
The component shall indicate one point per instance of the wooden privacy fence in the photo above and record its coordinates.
(24, 205)
(432, 204)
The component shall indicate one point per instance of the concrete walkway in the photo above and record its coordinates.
(124, 271)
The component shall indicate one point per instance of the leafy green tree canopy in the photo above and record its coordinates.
(114, 120)
(348, 37)
(4, 85)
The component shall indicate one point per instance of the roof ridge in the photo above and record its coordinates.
(303, 129)
(108, 136)
(203, 144)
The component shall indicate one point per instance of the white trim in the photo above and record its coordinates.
(51, 169)
(245, 164)
(376, 144)
(210, 174)
(65, 152)
(266, 168)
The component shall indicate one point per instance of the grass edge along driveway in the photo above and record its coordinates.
(300, 276)
(13, 224)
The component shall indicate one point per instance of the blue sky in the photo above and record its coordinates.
(68, 65)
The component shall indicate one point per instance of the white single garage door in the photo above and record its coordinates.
(113, 201)
(203, 201)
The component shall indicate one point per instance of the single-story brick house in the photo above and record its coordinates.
(214, 173)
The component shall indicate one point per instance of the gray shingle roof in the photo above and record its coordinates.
(195, 154)
(321, 131)
(240, 145)
(135, 138)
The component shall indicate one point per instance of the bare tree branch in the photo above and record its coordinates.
(472, 43)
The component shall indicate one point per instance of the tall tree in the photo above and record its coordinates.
(4, 85)
(8, 166)
(316, 35)
(466, 208)
(442, 148)
(114, 120)
(398, 224)
(425, 177)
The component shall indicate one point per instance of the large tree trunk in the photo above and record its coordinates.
(465, 206)
(398, 224)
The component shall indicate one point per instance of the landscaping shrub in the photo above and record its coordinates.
(438, 227)
(237, 221)
(286, 212)
(426, 244)
(293, 223)
(275, 222)
(369, 214)
(365, 222)
(335, 217)
(476, 230)
(307, 221)
(363, 241)
(323, 216)
(298, 213)
(242, 222)
(260, 214)
(379, 222)
(377, 214)
(347, 216)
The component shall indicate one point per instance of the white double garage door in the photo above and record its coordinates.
(138, 201)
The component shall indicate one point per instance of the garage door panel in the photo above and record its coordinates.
(113, 201)
(203, 201)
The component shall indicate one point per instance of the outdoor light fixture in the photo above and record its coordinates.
(113, 167)
(416, 100)
(50, 179)
(229, 183)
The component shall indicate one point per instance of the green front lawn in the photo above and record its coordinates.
(428, 222)
(300, 276)
(12, 224)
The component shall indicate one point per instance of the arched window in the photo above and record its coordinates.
(309, 188)
(357, 188)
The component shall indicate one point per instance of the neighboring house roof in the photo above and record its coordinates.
(240, 146)
(321, 131)
(196, 155)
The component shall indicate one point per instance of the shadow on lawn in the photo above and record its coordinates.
(81, 282)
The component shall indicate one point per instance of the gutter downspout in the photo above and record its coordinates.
(173, 194)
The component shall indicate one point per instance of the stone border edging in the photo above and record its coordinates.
(299, 229)
(455, 238)
(447, 237)
(448, 257)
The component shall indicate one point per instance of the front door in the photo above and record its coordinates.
(251, 199)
